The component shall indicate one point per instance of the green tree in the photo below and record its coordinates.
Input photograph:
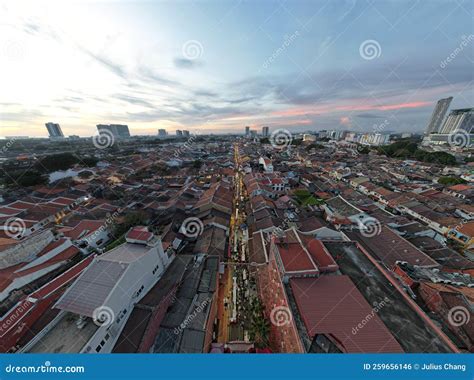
(54, 162)
(134, 218)
(24, 178)
(259, 327)
(450, 181)
(89, 161)
(314, 146)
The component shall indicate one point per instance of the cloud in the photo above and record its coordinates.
(147, 74)
(206, 93)
(184, 63)
(134, 100)
(339, 88)
(104, 62)
(345, 121)
(368, 116)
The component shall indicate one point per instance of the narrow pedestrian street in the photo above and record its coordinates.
(238, 290)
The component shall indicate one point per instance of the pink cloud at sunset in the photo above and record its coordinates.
(345, 120)
(348, 108)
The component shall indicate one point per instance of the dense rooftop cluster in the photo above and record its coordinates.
(230, 244)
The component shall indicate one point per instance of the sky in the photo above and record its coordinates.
(217, 66)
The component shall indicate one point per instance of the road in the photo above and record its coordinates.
(228, 297)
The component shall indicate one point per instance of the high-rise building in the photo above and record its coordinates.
(438, 115)
(185, 133)
(179, 133)
(247, 131)
(161, 132)
(460, 119)
(54, 130)
(265, 131)
(117, 130)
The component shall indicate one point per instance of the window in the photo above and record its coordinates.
(139, 291)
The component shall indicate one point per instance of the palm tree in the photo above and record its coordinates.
(259, 327)
(259, 332)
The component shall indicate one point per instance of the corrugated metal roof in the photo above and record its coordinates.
(92, 288)
(126, 253)
(192, 341)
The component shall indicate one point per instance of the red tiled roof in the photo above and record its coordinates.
(82, 229)
(319, 253)
(459, 187)
(9, 211)
(294, 256)
(49, 191)
(21, 205)
(25, 305)
(139, 233)
(467, 229)
(333, 305)
(62, 201)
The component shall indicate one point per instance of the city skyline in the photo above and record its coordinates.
(299, 66)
